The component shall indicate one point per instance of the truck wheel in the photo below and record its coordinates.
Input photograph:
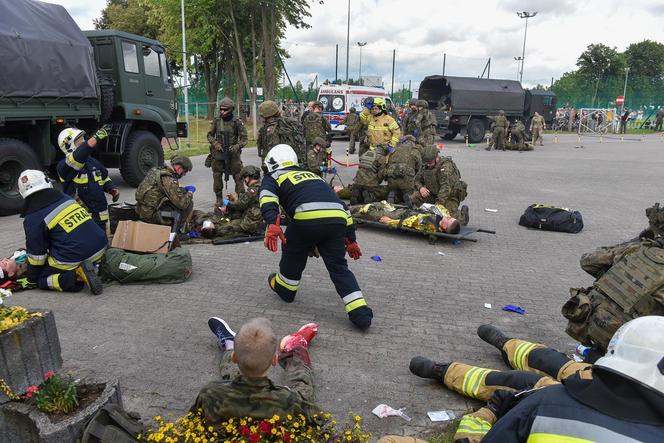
(450, 135)
(142, 152)
(107, 98)
(15, 157)
(475, 130)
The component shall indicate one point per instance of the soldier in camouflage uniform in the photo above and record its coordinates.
(518, 143)
(409, 124)
(160, 191)
(537, 125)
(366, 186)
(426, 124)
(434, 218)
(315, 125)
(240, 214)
(499, 131)
(402, 166)
(231, 128)
(440, 182)
(277, 130)
(244, 389)
(352, 122)
(317, 156)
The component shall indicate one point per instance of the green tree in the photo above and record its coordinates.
(127, 15)
(599, 61)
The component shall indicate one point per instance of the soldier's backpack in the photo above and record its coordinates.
(291, 132)
(552, 218)
(111, 424)
(128, 267)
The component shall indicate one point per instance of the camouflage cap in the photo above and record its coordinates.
(412, 102)
(226, 103)
(429, 153)
(317, 105)
(655, 216)
(268, 109)
(182, 161)
(352, 110)
(250, 171)
(319, 141)
(423, 103)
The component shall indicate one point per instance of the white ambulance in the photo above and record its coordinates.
(338, 99)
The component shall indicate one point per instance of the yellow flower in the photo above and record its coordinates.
(358, 418)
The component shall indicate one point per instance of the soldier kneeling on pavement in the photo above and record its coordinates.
(63, 242)
(245, 389)
(439, 182)
(239, 215)
(518, 133)
(402, 166)
(366, 187)
(317, 156)
(427, 218)
(619, 398)
(159, 196)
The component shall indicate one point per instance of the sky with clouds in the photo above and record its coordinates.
(468, 31)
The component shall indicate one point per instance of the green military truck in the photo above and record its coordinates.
(54, 76)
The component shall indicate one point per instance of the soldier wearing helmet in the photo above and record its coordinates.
(319, 220)
(316, 126)
(277, 129)
(160, 193)
(227, 136)
(408, 124)
(82, 175)
(500, 127)
(63, 243)
(317, 157)
(618, 398)
(352, 122)
(426, 123)
(381, 128)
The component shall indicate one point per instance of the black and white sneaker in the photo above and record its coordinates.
(221, 329)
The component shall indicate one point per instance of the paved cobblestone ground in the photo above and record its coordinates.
(155, 338)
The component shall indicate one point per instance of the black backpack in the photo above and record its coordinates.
(552, 218)
(111, 424)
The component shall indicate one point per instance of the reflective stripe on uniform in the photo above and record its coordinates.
(521, 354)
(287, 283)
(53, 282)
(72, 163)
(322, 213)
(353, 301)
(473, 380)
(81, 180)
(297, 176)
(56, 212)
(103, 181)
(470, 424)
(36, 260)
(551, 429)
(68, 266)
(319, 205)
(103, 215)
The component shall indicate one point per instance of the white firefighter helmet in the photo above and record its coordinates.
(279, 157)
(67, 139)
(636, 351)
(31, 181)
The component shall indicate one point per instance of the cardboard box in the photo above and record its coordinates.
(142, 237)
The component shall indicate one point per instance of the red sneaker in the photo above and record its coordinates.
(300, 338)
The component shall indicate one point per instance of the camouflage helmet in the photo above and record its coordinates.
(268, 109)
(423, 103)
(655, 216)
(352, 110)
(319, 141)
(429, 153)
(250, 171)
(182, 161)
(501, 112)
(412, 102)
(318, 105)
(226, 103)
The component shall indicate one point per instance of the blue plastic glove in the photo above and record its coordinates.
(226, 201)
(369, 102)
(322, 168)
(190, 188)
(332, 170)
(390, 149)
(512, 308)
(416, 132)
(194, 234)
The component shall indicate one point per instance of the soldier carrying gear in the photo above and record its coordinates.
(381, 128)
(63, 243)
(402, 166)
(439, 182)
(518, 132)
(426, 125)
(319, 220)
(409, 123)
(499, 131)
(227, 136)
(315, 126)
(279, 130)
(82, 175)
(352, 122)
(160, 193)
(317, 157)
(370, 174)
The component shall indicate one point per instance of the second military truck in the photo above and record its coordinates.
(54, 76)
(465, 105)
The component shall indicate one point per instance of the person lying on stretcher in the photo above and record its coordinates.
(427, 218)
(12, 270)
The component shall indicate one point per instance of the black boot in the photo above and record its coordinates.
(426, 368)
(465, 217)
(492, 335)
(367, 197)
(391, 197)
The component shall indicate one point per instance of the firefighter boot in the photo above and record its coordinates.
(426, 368)
(492, 335)
(87, 273)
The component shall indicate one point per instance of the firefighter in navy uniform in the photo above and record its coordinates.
(62, 240)
(319, 221)
(84, 176)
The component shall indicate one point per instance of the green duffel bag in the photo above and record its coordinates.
(129, 267)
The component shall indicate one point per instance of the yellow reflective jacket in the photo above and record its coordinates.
(381, 129)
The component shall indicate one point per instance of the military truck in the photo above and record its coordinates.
(466, 105)
(55, 76)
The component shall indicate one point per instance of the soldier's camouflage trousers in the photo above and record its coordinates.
(218, 177)
(499, 137)
(351, 142)
(367, 194)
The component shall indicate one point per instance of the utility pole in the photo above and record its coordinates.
(336, 66)
(184, 67)
(361, 45)
(444, 60)
(394, 55)
(525, 15)
(518, 66)
(347, 41)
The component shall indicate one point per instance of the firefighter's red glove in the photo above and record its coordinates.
(115, 194)
(353, 250)
(272, 233)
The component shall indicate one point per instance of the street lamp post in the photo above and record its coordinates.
(525, 15)
(518, 65)
(347, 41)
(361, 44)
(184, 68)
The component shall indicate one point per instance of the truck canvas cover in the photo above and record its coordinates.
(43, 52)
(473, 95)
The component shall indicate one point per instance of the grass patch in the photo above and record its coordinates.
(447, 436)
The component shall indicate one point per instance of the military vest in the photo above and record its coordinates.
(501, 122)
(401, 163)
(314, 127)
(368, 160)
(150, 192)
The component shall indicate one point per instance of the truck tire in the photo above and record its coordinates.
(450, 135)
(142, 152)
(475, 130)
(107, 98)
(15, 157)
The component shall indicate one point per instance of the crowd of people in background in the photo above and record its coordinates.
(608, 120)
